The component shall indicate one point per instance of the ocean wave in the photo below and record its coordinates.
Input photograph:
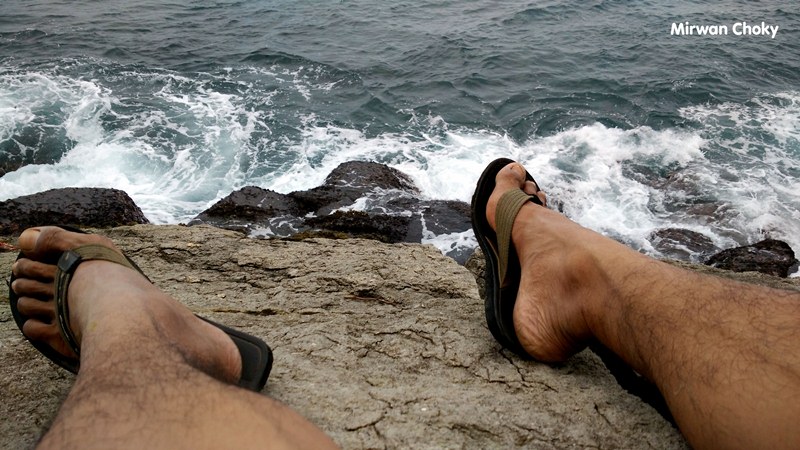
(730, 173)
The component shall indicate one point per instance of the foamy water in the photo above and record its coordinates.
(211, 144)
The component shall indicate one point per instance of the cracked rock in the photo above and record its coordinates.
(380, 345)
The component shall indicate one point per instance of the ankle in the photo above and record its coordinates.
(564, 288)
(621, 273)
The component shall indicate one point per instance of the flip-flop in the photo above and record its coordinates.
(502, 276)
(256, 355)
(502, 273)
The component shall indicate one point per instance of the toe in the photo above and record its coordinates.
(543, 197)
(47, 243)
(26, 268)
(31, 307)
(512, 176)
(531, 188)
(32, 288)
(38, 331)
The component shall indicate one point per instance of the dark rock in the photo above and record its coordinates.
(369, 175)
(85, 207)
(350, 181)
(382, 227)
(682, 244)
(252, 203)
(438, 218)
(446, 216)
(770, 256)
(325, 199)
(248, 206)
(389, 209)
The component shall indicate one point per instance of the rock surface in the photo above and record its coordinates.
(770, 256)
(85, 207)
(358, 199)
(683, 244)
(382, 346)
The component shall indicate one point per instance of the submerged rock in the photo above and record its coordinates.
(84, 207)
(770, 256)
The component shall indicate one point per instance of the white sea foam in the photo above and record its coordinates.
(583, 170)
(761, 143)
(745, 157)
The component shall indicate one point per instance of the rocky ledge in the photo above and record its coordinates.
(381, 345)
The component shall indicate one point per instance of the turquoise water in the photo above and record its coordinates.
(629, 128)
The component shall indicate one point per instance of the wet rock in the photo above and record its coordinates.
(446, 216)
(388, 209)
(83, 207)
(250, 205)
(682, 244)
(433, 217)
(770, 256)
(369, 175)
(349, 182)
(381, 227)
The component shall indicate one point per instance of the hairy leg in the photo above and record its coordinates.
(152, 374)
(725, 355)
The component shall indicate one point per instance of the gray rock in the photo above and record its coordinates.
(382, 227)
(476, 264)
(382, 346)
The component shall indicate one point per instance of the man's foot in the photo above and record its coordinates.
(558, 278)
(112, 302)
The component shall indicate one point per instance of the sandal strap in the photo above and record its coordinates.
(66, 266)
(507, 209)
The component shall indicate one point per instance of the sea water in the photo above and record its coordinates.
(628, 126)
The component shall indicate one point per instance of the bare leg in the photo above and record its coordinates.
(725, 355)
(152, 374)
